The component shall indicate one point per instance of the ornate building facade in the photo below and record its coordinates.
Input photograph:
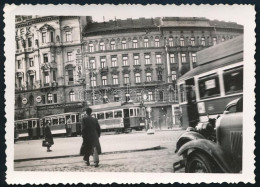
(48, 70)
(65, 62)
(138, 60)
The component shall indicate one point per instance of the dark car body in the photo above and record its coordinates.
(214, 151)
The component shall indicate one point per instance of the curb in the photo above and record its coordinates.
(77, 155)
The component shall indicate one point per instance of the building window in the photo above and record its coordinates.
(70, 74)
(92, 64)
(54, 75)
(192, 41)
(20, 80)
(43, 99)
(214, 41)
(19, 64)
(31, 62)
(17, 44)
(137, 78)
(126, 79)
(193, 57)
(55, 98)
(29, 42)
(104, 80)
(139, 97)
(174, 76)
(44, 37)
(52, 36)
(49, 98)
(172, 60)
(72, 96)
(158, 59)
(69, 56)
(116, 98)
(135, 44)
(45, 58)
(203, 41)
(31, 80)
(115, 79)
(123, 44)
(93, 81)
(136, 60)
(91, 47)
(102, 46)
(157, 42)
(161, 96)
(182, 93)
(149, 77)
(182, 41)
(150, 96)
(22, 31)
(171, 41)
(125, 60)
(68, 36)
(46, 77)
(114, 61)
(103, 62)
(146, 42)
(183, 58)
(113, 45)
(159, 75)
(147, 59)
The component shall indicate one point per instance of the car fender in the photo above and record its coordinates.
(186, 137)
(211, 149)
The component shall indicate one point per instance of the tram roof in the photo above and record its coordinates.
(26, 119)
(60, 114)
(226, 53)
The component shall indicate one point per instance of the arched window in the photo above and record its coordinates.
(72, 96)
(157, 42)
(124, 43)
(171, 41)
(113, 44)
(31, 100)
(146, 42)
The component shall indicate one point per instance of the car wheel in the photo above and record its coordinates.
(200, 163)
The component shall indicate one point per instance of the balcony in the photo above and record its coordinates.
(104, 70)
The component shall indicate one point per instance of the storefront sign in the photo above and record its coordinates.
(38, 99)
(24, 101)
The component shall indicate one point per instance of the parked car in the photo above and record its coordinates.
(214, 146)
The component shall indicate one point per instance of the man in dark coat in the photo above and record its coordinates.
(48, 136)
(90, 134)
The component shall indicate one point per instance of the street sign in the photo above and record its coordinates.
(24, 101)
(38, 99)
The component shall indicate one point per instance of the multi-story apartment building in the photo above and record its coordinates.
(48, 65)
(138, 60)
(64, 62)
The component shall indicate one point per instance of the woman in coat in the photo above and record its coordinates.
(48, 136)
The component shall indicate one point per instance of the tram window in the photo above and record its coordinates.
(34, 124)
(19, 126)
(138, 111)
(118, 114)
(55, 121)
(209, 87)
(101, 116)
(24, 125)
(73, 119)
(77, 118)
(61, 120)
(233, 80)
(109, 115)
(131, 112)
(29, 124)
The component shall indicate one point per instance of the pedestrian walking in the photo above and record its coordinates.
(69, 124)
(48, 136)
(90, 134)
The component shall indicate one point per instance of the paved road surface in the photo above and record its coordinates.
(145, 161)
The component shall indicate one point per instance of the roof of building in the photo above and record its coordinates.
(129, 23)
(217, 56)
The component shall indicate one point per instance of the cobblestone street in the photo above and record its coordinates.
(144, 161)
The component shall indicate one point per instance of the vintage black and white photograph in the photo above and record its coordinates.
(130, 93)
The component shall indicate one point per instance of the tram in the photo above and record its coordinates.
(58, 123)
(218, 79)
(121, 118)
(28, 128)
